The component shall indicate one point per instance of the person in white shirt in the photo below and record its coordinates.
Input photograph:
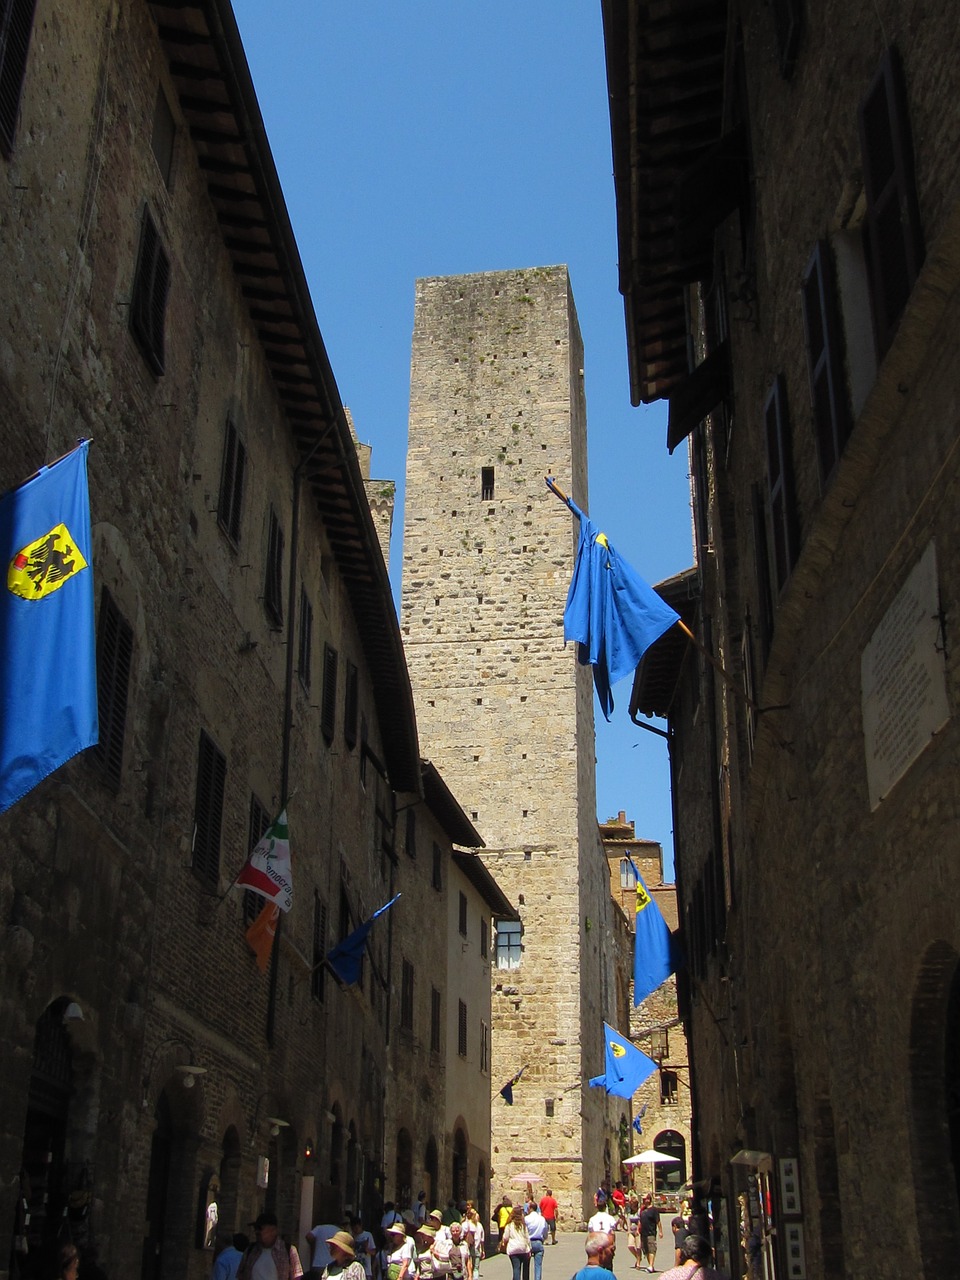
(364, 1246)
(321, 1256)
(401, 1253)
(537, 1231)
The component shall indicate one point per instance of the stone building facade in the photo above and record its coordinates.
(505, 711)
(248, 652)
(662, 1105)
(797, 303)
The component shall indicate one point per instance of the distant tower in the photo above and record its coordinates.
(503, 708)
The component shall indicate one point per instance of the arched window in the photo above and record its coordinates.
(352, 1189)
(431, 1169)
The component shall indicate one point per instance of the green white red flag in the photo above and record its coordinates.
(267, 871)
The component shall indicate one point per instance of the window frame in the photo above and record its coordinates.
(892, 223)
(257, 823)
(407, 979)
(511, 950)
(328, 696)
(114, 666)
(16, 30)
(148, 298)
(436, 1020)
(824, 339)
(462, 1043)
(351, 703)
(233, 469)
(320, 926)
(304, 640)
(273, 570)
(462, 914)
(781, 496)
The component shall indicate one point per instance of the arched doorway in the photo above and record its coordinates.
(170, 1212)
(669, 1178)
(431, 1171)
(44, 1174)
(229, 1182)
(459, 1168)
(352, 1191)
(480, 1200)
(403, 1182)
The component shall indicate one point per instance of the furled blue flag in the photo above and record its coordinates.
(639, 1116)
(506, 1093)
(346, 958)
(48, 691)
(656, 953)
(611, 612)
(625, 1066)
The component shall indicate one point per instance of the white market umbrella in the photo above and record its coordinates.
(652, 1157)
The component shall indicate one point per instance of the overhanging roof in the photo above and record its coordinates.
(655, 681)
(481, 879)
(209, 70)
(665, 61)
(446, 809)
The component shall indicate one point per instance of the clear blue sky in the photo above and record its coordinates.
(436, 137)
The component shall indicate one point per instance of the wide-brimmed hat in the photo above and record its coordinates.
(426, 1231)
(343, 1241)
(435, 1213)
(396, 1229)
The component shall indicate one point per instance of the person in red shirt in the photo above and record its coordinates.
(619, 1199)
(548, 1207)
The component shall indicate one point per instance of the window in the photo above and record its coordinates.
(306, 639)
(462, 1030)
(16, 23)
(761, 551)
(164, 132)
(232, 472)
(780, 483)
(273, 577)
(486, 483)
(668, 1088)
(406, 996)
(434, 1020)
(328, 701)
(148, 304)
(509, 933)
(363, 751)
(484, 938)
(318, 975)
(351, 705)
(410, 840)
(253, 903)
(463, 915)
(484, 1046)
(788, 23)
(437, 878)
(824, 337)
(892, 233)
(208, 813)
(114, 658)
(628, 874)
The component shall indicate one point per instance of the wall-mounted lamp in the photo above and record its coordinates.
(276, 1124)
(189, 1073)
(73, 1012)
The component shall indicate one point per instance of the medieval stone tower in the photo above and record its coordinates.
(503, 708)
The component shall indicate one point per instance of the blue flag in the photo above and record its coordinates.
(506, 1093)
(611, 612)
(346, 958)
(48, 694)
(625, 1067)
(656, 953)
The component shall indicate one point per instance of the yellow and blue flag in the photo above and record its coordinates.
(48, 673)
(625, 1066)
(656, 953)
(612, 614)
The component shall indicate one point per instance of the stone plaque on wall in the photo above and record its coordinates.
(902, 680)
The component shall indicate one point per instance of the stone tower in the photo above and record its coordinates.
(503, 708)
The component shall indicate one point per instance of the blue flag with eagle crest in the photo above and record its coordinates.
(625, 1067)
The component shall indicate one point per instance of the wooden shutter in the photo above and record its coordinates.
(893, 236)
(462, 1030)
(16, 24)
(780, 483)
(318, 976)
(232, 475)
(824, 337)
(273, 579)
(114, 659)
(328, 703)
(208, 814)
(149, 302)
(306, 639)
(253, 903)
(434, 1020)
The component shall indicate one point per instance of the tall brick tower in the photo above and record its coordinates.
(503, 708)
